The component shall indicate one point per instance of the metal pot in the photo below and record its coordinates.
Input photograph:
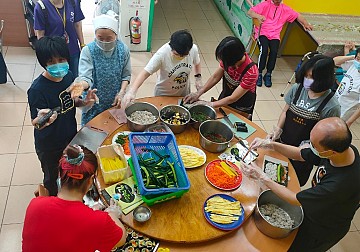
(206, 110)
(296, 213)
(169, 110)
(216, 127)
(140, 106)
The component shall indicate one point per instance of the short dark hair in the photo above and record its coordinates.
(323, 73)
(338, 142)
(357, 51)
(181, 41)
(230, 50)
(47, 48)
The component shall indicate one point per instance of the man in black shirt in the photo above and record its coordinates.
(330, 205)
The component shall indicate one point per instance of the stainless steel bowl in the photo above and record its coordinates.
(296, 213)
(216, 127)
(142, 213)
(140, 106)
(206, 110)
(167, 111)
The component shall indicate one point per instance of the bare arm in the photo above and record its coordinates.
(143, 75)
(342, 59)
(253, 14)
(198, 69)
(120, 225)
(39, 34)
(288, 151)
(353, 117)
(307, 26)
(282, 117)
(78, 29)
(281, 191)
(214, 78)
(236, 95)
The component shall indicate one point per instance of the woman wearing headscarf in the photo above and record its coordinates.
(104, 66)
(64, 223)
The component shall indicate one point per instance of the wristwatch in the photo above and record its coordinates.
(197, 75)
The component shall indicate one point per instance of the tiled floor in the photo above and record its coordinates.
(19, 168)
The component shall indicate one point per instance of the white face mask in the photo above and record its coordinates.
(317, 153)
(105, 46)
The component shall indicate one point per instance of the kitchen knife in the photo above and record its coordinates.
(226, 117)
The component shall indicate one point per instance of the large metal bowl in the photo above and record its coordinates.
(296, 213)
(140, 106)
(206, 110)
(169, 110)
(216, 127)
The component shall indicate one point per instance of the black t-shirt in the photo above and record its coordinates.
(330, 205)
(45, 93)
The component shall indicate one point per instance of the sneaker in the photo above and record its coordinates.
(267, 80)
(259, 81)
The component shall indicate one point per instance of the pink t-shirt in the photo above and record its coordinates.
(276, 17)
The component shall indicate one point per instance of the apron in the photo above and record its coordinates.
(107, 76)
(298, 124)
(246, 103)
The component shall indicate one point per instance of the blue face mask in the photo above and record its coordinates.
(307, 83)
(58, 70)
(357, 64)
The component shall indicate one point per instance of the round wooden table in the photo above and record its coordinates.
(180, 223)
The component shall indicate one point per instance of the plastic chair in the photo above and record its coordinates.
(254, 38)
(1, 48)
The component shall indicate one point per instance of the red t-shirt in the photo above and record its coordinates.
(57, 225)
(249, 79)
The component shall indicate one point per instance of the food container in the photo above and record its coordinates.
(152, 199)
(165, 144)
(216, 128)
(295, 212)
(140, 106)
(169, 111)
(207, 111)
(118, 173)
(141, 213)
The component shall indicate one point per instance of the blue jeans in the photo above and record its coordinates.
(74, 64)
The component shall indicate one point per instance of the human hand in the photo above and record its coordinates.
(350, 45)
(114, 209)
(192, 97)
(253, 171)
(43, 112)
(198, 83)
(118, 99)
(90, 99)
(275, 133)
(207, 103)
(128, 98)
(77, 88)
(261, 18)
(308, 27)
(261, 143)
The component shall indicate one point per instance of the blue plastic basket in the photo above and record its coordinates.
(165, 144)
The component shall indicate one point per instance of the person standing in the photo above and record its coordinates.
(174, 61)
(61, 18)
(272, 14)
(330, 205)
(239, 74)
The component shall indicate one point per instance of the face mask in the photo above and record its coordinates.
(177, 57)
(58, 70)
(318, 153)
(307, 83)
(105, 46)
(357, 64)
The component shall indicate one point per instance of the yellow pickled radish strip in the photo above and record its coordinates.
(112, 164)
(229, 170)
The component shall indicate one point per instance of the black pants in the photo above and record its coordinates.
(265, 44)
(50, 166)
(303, 170)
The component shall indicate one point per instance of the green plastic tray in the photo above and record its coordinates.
(155, 198)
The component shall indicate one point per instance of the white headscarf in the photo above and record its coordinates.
(110, 20)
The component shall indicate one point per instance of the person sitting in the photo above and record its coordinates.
(104, 66)
(64, 223)
(307, 102)
(175, 61)
(348, 92)
(330, 205)
(239, 74)
(272, 14)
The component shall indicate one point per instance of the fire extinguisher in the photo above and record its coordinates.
(135, 29)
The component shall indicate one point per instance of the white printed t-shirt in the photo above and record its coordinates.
(174, 75)
(348, 92)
